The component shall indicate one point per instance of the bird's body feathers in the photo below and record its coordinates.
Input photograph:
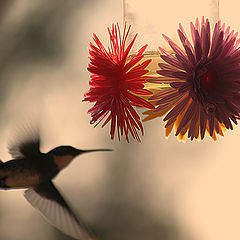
(34, 170)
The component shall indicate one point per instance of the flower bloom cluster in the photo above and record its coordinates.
(203, 78)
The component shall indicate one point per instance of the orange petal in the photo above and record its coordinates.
(169, 130)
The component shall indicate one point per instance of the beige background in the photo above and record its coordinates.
(159, 189)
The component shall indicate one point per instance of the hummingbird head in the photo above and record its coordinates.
(65, 150)
(69, 150)
(63, 155)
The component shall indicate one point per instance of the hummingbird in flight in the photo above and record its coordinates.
(34, 171)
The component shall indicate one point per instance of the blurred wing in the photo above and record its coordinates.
(25, 149)
(25, 141)
(51, 204)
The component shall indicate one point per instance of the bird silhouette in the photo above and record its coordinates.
(34, 170)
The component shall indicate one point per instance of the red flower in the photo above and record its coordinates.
(117, 84)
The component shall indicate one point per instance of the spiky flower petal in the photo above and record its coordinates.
(204, 82)
(117, 84)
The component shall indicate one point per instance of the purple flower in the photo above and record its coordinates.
(204, 82)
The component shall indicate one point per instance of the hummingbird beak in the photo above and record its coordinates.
(96, 150)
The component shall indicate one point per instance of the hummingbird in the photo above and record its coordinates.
(32, 170)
